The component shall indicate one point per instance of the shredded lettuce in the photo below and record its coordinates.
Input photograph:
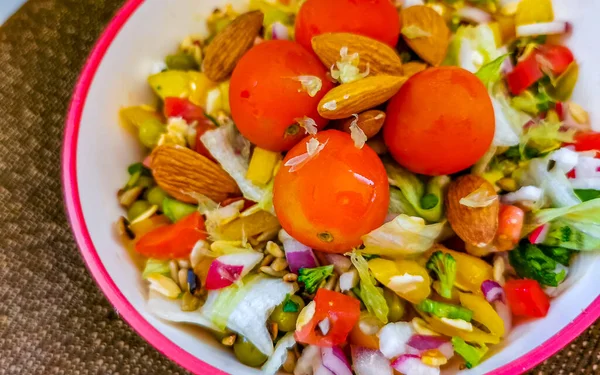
(415, 193)
(547, 136)
(279, 355)
(472, 47)
(405, 235)
(509, 121)
(576, 227)
(491, 72)
(371, 296)
(399, 204)
(225, 145)
(245, 309)
(170, 310)
(156, 266)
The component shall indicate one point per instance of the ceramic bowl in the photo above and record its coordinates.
(97, 150)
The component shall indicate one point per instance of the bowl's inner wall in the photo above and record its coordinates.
(104, 150)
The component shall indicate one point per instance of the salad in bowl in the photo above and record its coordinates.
(363, 187)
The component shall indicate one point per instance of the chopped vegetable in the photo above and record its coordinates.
(393, 339)
(170, 310)
(156, 266)
(298, 255)
(370, 295)
(444, 266)
(406, 278)
(229, 269)
(279, 354)
(483, 313)
(369, 362)
(491, 72)
(526, 298)
(472, 354)
(411, 364)
(445, 310)
(176, 210)
(262, 165)
(335, 361)
(531, 262)
(312, 277)
(470, 271)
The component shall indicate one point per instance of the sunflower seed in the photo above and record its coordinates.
(279, 264)
(182, 278)
(290, 278)
(271, 272)
(275, 250)
(183, 263)
(229, 340)
(174, 267)
(267, 260)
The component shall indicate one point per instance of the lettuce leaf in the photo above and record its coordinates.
(156, 266)
(405, 235)
(472, 47)
(371, 296)
(491, 72)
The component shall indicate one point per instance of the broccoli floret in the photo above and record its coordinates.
(529, 261)
(471, 354)
(444, 265)
(445, 310)
(312, 277)
(559, 254)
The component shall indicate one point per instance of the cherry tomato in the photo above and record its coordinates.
(342, 311)
(336, 197)
(266, 97)
(526, 298)
(510, 224)
(440, 122)
(180, 107)
(377, 19)
(173, 241)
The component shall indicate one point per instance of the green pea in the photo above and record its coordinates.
(181, 61)
(286, 321)
(137, 208)
(395, 305)
(156, 196)
(247, 353)
(150, 132)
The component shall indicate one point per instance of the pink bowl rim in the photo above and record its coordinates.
(126, 309)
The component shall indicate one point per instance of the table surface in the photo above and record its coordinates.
(53, 318)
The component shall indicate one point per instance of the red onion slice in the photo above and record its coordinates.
(297, 255)
(492, 291)
(335, 361)
(409, 364)
(422, 343)
(505, 314)
(369, 362)
(547, 28)
(340, 263)
(539, 234)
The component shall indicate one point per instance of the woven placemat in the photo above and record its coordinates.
(53, 318)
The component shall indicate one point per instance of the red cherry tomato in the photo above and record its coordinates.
(266, 97)
(179, 107)
(336, 197)
(510, 224)
(173, 241)
(377, 19)
(526, 298)
(440, 122)
(343, 313)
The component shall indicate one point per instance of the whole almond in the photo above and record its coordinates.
(433, 44)
(381, 58)
(355, 97)
(226, 49)
(413, 67)
(370, 122)
(182, 172)
(475, 226)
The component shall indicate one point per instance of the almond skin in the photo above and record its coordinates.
(358, 96)
(431, 48)
(228, 47)
(413, 67)
(475, 226)
(370, 122)
(182, 172)
(381, 58)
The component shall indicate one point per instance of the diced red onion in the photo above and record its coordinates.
(297, 255)
(546, 28)
(222, 275)
(561, 110)
(507, 66)
(340, 263)
(505, 314)
(322, 370)
(422, 343)
(147, 162)
(335, 361)
(474, 15)
(369, 362)
(280, 31)
(492, 291)
(310, 358)
(410, 364)
(539, 234)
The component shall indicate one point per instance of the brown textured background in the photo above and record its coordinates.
(53, 318)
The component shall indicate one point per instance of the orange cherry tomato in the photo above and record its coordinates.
(173, 241)
(336, 197)
(266, 97)
(377, 19)
(440, 122)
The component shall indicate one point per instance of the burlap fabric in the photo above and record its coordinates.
(53, 318)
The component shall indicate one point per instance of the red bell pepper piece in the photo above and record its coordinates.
(526, 298)
(173, 241)
(557, 57)
(343, 313)
(179, 107)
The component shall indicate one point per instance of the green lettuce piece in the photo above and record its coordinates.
(399, 204)
(530, 262)
(176, 210)
(547, 136)
(587, 194)
(415, 192)
(156, 266)
(479, 39)
(491, 72)
(371, 296)
(471, 354)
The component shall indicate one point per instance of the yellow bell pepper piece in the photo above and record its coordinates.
(132, 117)
(262, 164)
(384, 270)
(506, 27)
(182, 84)
(470, 271)
(483, 313)
(200, 85)
(476, 335)
(534, 11)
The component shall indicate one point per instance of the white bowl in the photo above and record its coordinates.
(96, 152)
